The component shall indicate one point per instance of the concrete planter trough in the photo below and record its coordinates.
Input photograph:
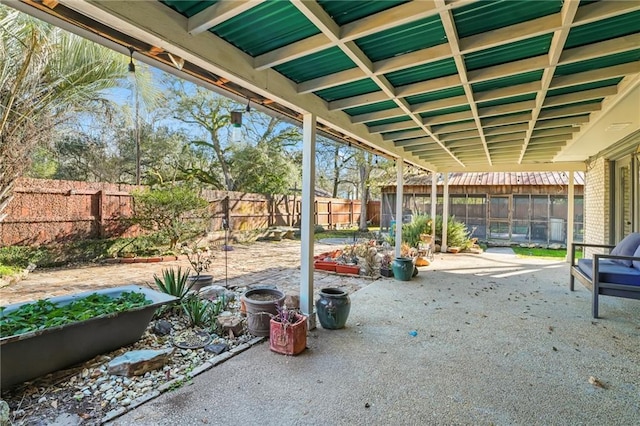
(30, 355)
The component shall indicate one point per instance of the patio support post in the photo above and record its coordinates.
(445, 212)
(570, 214)
(399, 199)
(307, 225)
(434, 201)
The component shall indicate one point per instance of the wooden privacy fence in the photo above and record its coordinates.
(48, 211)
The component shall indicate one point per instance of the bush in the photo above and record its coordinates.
(175, 211)
(457, 233)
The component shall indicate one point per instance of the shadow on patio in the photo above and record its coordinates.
(499, 341)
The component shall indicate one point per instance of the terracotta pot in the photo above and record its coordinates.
(288, 339)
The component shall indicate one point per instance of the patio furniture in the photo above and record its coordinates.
(614, 274)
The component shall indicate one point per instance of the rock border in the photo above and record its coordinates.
(178, 381)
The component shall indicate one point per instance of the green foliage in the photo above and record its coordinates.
(262, 169)
(7, 271)
(197, 310)
(16, 256)
(45, 314)
(543, 252)
(457, 233)
(411, 231)
(175, 211)
(174, 282)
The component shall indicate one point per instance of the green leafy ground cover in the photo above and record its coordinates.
(46, 314)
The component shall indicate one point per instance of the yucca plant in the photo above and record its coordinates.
(174, 282)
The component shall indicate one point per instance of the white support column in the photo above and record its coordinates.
(445, 212)
(570, 215)
(399, 199)
(434, 203)
(307, 225)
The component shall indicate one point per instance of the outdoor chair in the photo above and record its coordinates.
(614, 274)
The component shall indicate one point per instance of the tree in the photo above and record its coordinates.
(333, 161)
(46, 76)
(264, 138)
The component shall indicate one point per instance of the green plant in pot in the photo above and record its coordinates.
(288, 331)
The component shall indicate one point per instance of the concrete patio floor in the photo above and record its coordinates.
(500, 340)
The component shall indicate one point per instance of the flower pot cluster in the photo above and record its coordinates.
(336, 261)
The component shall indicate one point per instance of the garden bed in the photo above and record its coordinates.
(32, 354)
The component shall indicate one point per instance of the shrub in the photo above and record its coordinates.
(174, 211)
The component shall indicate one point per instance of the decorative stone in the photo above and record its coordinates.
(231, 323)
(211, 292)
(4, 413)
(216, 348)
(137, 363)
(162, 328)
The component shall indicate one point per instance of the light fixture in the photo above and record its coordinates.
(236, 123)
(132, 67)
(248, 109)
(616, 127)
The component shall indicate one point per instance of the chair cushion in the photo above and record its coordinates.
(636, 263)
(611, 272)
(627, 247)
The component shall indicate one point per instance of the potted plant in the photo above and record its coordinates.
(288, 331)
(385, 265)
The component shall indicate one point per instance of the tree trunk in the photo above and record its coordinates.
(365, 170)
(336, 172)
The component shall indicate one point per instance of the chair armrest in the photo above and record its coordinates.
(583, 245)
(597, 257)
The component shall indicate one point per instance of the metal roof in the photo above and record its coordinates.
(445, 85)
(497, 178)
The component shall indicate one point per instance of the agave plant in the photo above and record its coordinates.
(174, 282)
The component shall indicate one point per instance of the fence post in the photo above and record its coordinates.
(102, 201)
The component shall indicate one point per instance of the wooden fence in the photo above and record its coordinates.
(49, 211)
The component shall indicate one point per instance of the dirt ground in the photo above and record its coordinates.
(262, 262)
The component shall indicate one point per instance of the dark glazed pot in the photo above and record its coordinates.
(402, 268)
(333, 308)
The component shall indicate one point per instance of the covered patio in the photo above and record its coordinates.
(442, 86)
(500, 340)
(437, 85)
